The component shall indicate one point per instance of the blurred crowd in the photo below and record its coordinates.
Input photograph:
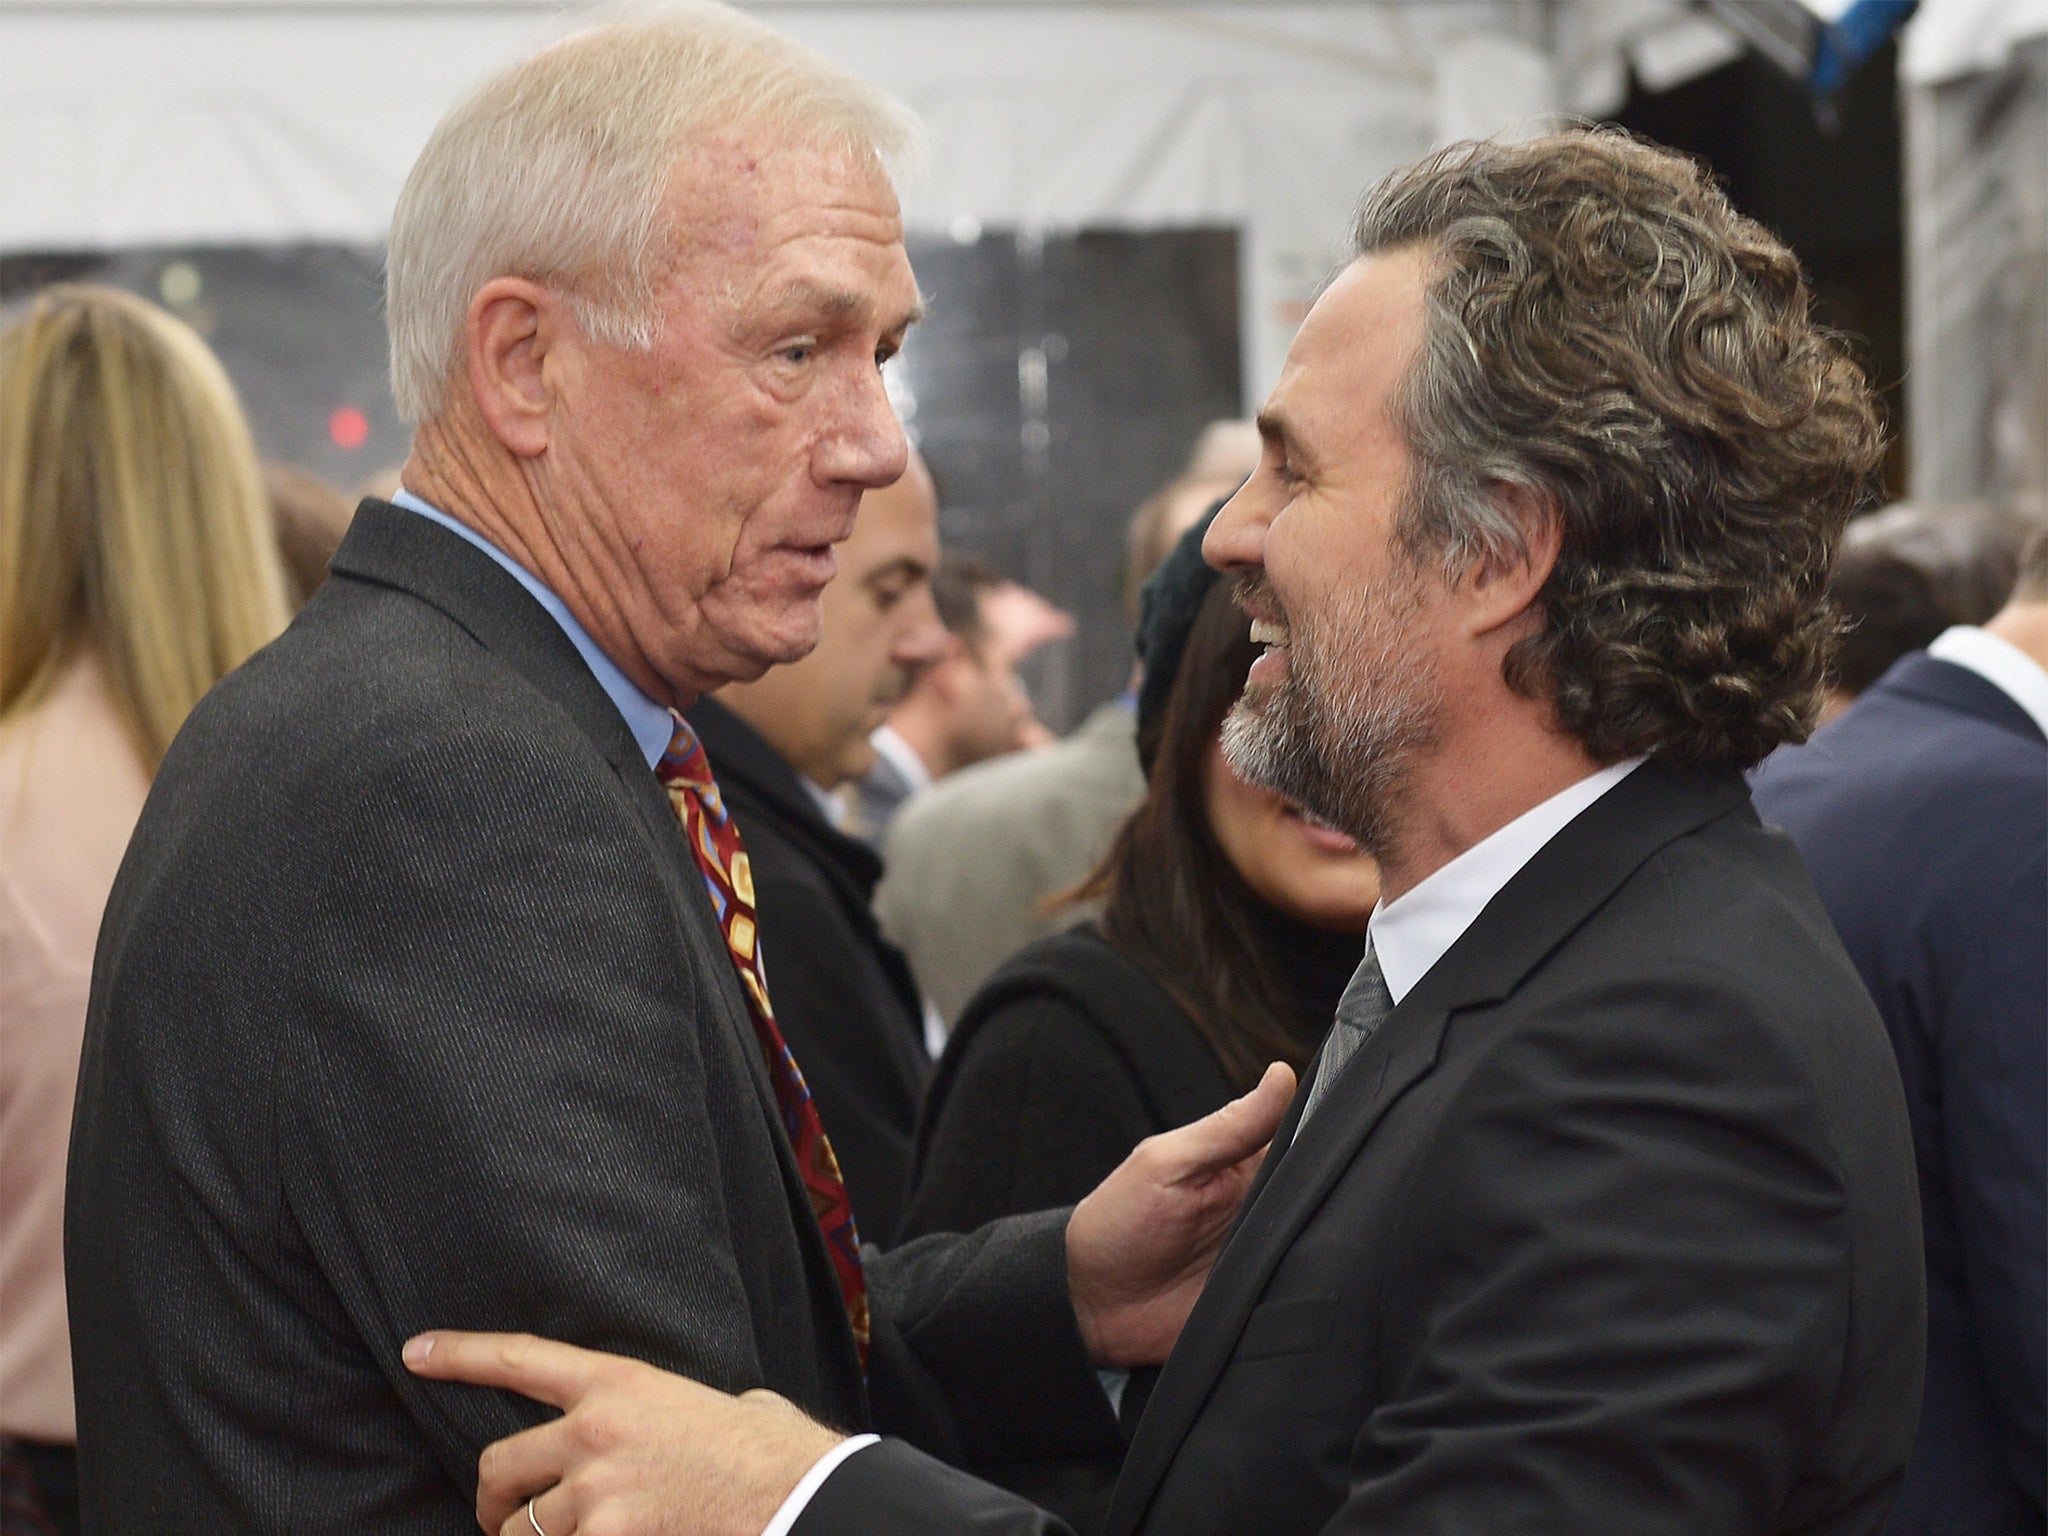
(1004, 959)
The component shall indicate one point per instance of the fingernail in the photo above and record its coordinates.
(417, 1349)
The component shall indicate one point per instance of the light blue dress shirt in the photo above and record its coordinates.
(648, 721)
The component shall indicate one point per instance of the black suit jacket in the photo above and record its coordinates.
(844, 998)
(1923, 814)
(1610, 1228)
(409, 1010)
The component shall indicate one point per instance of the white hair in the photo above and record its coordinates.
(554, 170)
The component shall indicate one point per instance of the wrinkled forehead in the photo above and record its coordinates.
(729, 190)
(1358, 341)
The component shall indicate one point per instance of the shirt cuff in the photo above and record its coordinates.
(813, 1480)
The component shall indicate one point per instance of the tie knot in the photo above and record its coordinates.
(1366, 1001)
(684, 763)
(685, 768)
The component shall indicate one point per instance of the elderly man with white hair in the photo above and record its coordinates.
(430, 991)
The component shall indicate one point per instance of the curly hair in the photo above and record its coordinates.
(1604, 332)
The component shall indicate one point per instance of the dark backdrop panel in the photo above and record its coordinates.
(300, 329)
(1827, 179)
(1055, 384)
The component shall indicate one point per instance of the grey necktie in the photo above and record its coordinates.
(1360, 1012)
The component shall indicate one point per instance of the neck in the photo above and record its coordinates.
(2023, 625)
(1472, 785)
(771, 705)
(458, 468)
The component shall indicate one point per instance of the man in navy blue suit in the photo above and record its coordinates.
(1923, 815)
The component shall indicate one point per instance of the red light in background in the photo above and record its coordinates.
(349, 427)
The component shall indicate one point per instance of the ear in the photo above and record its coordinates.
(512, 328)
(948, 676)
(1498, 591)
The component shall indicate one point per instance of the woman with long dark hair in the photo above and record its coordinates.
(1230, 925)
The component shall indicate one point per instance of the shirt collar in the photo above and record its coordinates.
(648, 721)
(890, 746)
(1412, 933)
(830, 803)
(1999, 662)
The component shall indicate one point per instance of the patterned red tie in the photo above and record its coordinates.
(708, 828)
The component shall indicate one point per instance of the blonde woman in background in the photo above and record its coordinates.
(138, 565)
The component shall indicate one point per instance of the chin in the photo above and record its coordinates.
(784, 643)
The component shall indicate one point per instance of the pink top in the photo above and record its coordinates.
(71, 788)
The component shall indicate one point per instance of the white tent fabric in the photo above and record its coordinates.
(1949, 39)
(132, 122)
(1976, 119)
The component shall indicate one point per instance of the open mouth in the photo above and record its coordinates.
(1270, 665)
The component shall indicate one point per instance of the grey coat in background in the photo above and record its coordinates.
(971, 860)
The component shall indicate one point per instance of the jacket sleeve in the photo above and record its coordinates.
(976, 1353)
(495, 1002)
(1992, 1045)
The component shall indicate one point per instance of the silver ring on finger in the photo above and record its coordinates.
(533, 1520)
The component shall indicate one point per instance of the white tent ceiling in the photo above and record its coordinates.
(154, 122)
(1975, 76)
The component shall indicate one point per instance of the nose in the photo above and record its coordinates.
(1236, 540)
(922, 638)
(866, 446)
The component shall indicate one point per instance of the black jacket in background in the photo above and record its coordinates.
(1063, 1061)
(1922, 812)
(1068, 1057)
(843, 994)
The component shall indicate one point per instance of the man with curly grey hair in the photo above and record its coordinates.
(1597, 1211)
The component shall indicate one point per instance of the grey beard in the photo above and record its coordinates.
(1344, 751)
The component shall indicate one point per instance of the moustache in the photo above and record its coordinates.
(1249, 589)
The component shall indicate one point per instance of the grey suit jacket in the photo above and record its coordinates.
(970, 860)
(409, 1010)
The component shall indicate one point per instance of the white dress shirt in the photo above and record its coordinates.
(1411, 934)
(900, 755)
(813, 1480)
(2000, 663)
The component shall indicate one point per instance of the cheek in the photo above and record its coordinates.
(683, 559)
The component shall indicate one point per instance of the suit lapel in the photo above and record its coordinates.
(1552, 895)
(392, 547)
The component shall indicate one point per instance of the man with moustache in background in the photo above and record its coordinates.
(782, 745)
